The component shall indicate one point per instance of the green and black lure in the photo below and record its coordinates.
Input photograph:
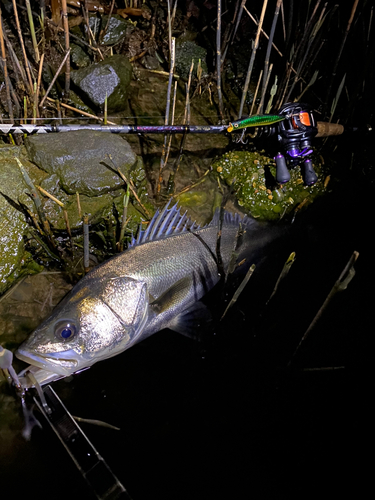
(254, 121)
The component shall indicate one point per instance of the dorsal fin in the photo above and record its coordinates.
(170, 221)
(165, 223)
(232, 219)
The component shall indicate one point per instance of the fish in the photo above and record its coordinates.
(156, 283)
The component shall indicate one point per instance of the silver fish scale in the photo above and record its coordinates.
(161, 264)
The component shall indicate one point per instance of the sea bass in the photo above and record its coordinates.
(154, 284)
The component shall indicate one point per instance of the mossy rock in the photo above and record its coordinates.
(14, 261)
(252, 178)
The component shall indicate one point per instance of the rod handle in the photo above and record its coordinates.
(326, 129)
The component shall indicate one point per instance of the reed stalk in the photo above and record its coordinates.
(218, 61)
(32, 31)
(176, 165)
(272, 92)
(105, 118)
(252, 58)
(262, 31)
(5, 69)
(293, 58)
(39, 81)
(125, 220)
(256, 92)
(108, 20)
(239, 290)
(306, 51)
(16, 63)
(30, 81)
(79, 205)
(269, 47)
(86, 241)
(335, 66)
(67, 46)
(166, 120)
(341, 284)
(228, 33)
(260, 107)
(172, 121)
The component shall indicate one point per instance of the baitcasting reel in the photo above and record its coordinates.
(295, 134)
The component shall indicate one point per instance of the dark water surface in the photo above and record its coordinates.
(225, 418)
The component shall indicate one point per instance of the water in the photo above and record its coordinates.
(225, 418)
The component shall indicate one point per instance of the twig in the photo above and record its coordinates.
(54, 78)
(37, 202)
(191, 186)
(131, 186)
(61, 204)
(89, 115)
(341, 284)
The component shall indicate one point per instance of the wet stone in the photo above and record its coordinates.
(13, 259)
(78, 56)
(186, 51)
(81, 160)
(109, 78)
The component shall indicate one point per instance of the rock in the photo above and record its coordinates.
(186, 51)
(79, 159)
(109, 78)
(78, 56)
(252, 177)
(14, 261)
(117, 29)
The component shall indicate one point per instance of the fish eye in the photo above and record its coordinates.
(65, 330)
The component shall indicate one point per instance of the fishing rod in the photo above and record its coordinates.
(113, 129)
(294, 125)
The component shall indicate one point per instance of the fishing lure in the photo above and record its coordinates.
(254, 121)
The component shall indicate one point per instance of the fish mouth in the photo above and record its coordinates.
(59, 363)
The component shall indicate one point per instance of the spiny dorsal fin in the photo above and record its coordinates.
(170, 221)
(165, 223)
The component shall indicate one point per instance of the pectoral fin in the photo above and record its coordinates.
(173, 296)
(189, 321)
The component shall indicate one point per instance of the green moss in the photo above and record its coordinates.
(252, 177)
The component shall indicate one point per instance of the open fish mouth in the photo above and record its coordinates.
(55, 363)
